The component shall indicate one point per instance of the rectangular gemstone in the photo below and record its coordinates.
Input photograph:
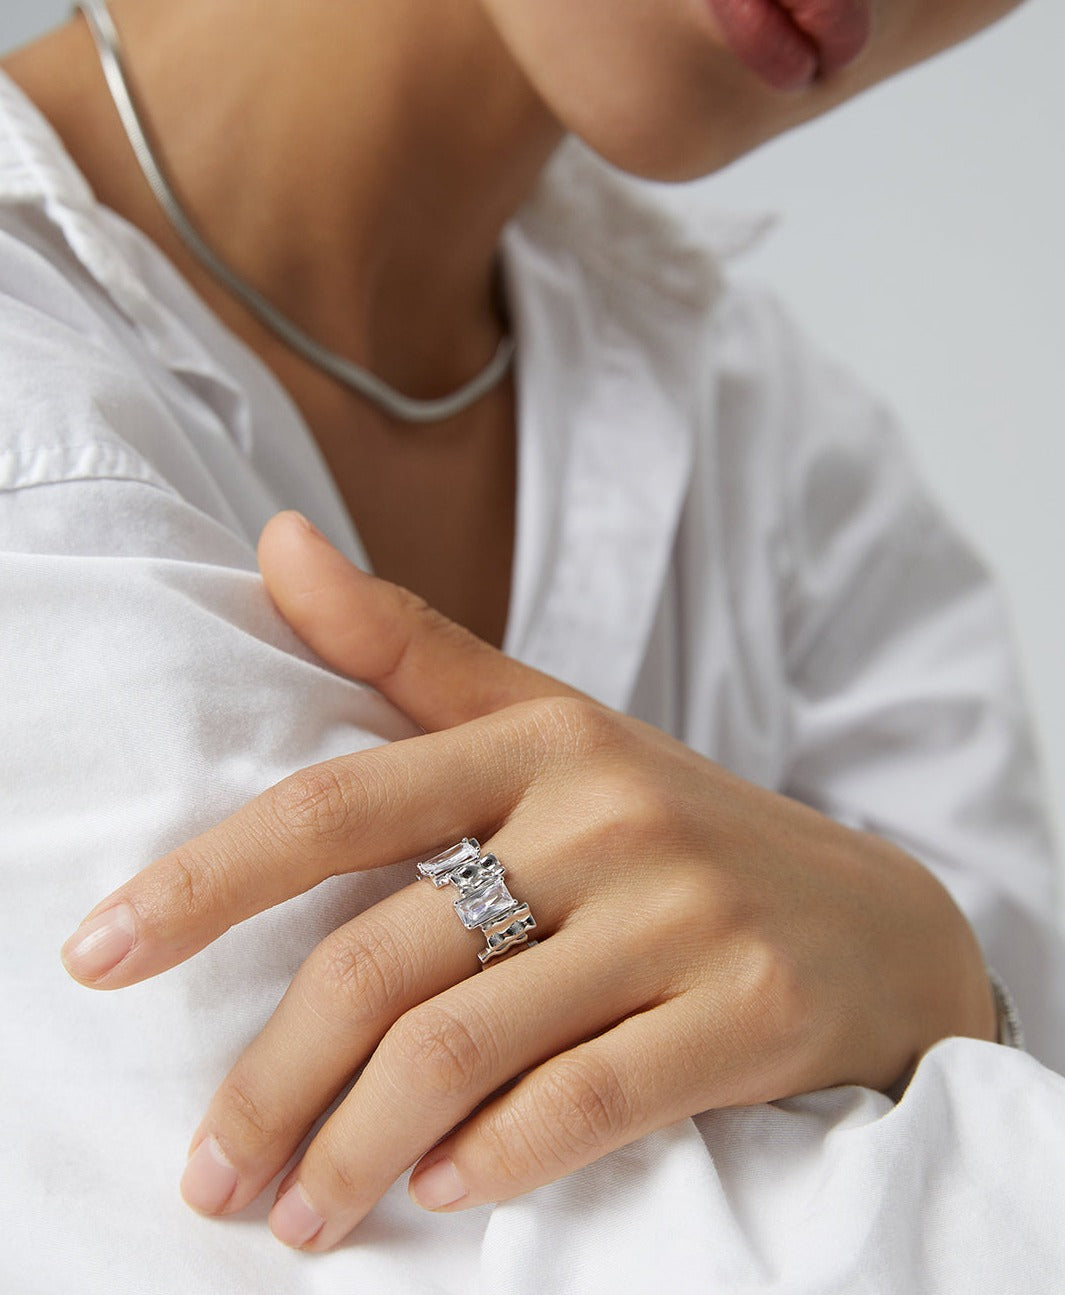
(488, 904)
(440, 865)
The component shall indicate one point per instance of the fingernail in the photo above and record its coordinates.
(437, 1186)
(100, 944)
(293, 1220)
(209, 1179)
(308, 526)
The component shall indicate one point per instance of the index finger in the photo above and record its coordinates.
(346, 815)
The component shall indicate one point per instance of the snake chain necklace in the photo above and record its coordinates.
(346, 371)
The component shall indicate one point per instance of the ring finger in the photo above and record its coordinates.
(437, 1064)
(344, 999)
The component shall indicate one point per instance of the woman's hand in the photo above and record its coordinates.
(703, 942)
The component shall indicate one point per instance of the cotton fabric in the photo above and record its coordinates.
(717, 531)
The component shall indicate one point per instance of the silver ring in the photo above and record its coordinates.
(483, 903)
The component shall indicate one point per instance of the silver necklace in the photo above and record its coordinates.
(342, 369)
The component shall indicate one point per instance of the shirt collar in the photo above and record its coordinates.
(610, 290)
(612, 294)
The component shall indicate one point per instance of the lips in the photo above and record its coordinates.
(792, 43)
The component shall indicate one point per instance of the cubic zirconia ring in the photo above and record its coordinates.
(483, 902)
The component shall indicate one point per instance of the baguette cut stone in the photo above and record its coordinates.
(488, 904)
(438, 869)
(484, 901)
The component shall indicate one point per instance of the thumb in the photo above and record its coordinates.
(368, 629)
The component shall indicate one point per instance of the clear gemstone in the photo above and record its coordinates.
(439, 867)
(488, 904)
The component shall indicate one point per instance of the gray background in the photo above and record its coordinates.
(920, 240)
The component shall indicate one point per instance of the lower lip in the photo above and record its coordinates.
(775, 46)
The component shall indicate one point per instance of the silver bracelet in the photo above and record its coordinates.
(1010, 1030)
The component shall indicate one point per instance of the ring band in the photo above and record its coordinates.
(484, 903)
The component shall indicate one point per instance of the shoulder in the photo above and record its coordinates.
(106, 366)
(68, 392)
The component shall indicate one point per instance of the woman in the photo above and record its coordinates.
(707, 528)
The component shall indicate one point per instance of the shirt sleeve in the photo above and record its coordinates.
(150, 689)
(905, 709)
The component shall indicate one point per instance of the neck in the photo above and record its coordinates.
(364, 159)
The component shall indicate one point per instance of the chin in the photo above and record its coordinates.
(680, 147)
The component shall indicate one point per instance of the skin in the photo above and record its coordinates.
(734, 965)
(456, 106)
(689, 106)
(773, 961)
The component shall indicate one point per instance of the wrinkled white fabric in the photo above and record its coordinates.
(716, 531)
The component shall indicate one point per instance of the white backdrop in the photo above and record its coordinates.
(920, 241)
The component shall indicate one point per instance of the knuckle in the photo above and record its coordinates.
(773, 998)
(191, 886)
(414, 619)
(625, 799)
(417, 623)
(573, 726)
(356, 978)
(691, 906)
(247, 1116)
(634, 813)
(330, 1165)
(431, 623)
(576, 1112)
(514, 1155)
(586, 1102)
(319, 804)
(444, 1053)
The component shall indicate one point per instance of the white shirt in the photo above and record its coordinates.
(716, 531)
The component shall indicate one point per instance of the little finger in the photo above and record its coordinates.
(579, 1105)
(438, 1063)
(343, 999)
(356, 984)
